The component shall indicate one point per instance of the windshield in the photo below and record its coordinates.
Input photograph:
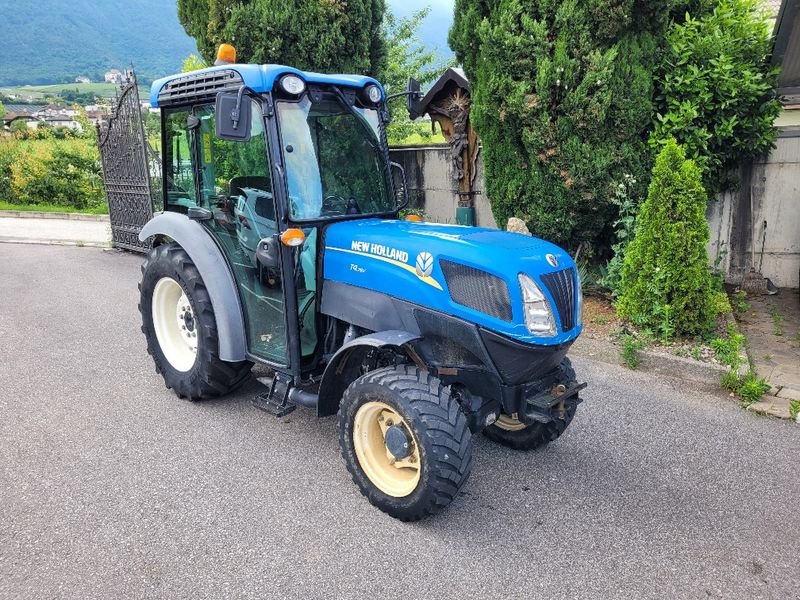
(335, 163)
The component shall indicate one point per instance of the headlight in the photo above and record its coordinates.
(538, 313)
(373, 93)
(579, 308)
(292, 84)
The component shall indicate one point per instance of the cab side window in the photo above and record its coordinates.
(181, 189)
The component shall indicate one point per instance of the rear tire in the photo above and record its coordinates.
(439, 441)
(185, 352)
(512, 433)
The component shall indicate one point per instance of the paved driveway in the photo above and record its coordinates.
(111, 487)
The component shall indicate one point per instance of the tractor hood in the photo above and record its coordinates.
(468, 272)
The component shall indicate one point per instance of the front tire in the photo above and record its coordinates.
(512, 433)
(180, 328)
(405, 441)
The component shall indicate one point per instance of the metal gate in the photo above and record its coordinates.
(124, 154)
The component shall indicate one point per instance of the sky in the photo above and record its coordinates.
(434, 30)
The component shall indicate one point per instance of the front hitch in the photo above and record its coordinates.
(550, 404)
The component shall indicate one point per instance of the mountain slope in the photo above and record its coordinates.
(51, 41)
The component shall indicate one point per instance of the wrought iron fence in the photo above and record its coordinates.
(124, 155)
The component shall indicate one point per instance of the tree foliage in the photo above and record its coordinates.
(562, 99)
(666, 284)
(322, 35)
(408, 57)
(716, 87)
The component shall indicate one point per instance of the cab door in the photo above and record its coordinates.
(232, 181)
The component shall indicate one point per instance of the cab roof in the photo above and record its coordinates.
(260, 78)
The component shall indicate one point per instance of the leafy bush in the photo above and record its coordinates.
(562, 99)
(623, 228)
(716, 87)
(665, 265)
(49, 171)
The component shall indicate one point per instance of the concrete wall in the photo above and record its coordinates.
(773, 184)
(429, 175)
(769, 191)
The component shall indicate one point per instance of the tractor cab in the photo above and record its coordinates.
(263, 157)
(279, 243)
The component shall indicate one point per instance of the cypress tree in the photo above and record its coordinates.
(320, 35)
(563, 101)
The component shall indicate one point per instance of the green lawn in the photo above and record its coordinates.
(105, 90)
(52, 208)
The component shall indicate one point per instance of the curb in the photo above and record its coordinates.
(27, 214)
(686, 369)
(773, 406)
(10, 240)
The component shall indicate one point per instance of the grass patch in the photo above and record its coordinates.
(794, 409)
(739, 302)
(630, 351)
(53, 208)
(777, 321)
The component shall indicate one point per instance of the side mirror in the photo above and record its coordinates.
(400, 185)
(233, 115)
(413, 97)
(268, 252)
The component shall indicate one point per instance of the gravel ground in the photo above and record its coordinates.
(111, 487)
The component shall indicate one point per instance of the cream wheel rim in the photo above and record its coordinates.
(394, 477)
(174, 324)
(509, 423)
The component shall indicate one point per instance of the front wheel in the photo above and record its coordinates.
(405, 441)
(181, 330)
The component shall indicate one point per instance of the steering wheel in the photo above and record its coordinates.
(329, 208)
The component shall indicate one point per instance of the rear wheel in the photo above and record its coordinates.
(181, 330)
(513, 433)
(405, 441)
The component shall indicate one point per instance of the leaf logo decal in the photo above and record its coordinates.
(424, 264)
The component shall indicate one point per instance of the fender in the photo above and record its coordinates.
(342, 369)
(201, 248)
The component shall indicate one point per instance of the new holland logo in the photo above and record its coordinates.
(424, 264)
(552, 260)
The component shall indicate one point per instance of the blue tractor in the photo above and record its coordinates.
(279, 243)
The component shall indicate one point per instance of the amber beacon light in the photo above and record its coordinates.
(226, 55)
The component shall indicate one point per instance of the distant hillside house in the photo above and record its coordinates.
(113, 76)
(82, 79)
(25, 112)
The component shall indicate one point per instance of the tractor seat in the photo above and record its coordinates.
(249, 181)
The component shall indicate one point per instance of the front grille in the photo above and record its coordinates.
(198, 89)
(477, 289)
(561, 285)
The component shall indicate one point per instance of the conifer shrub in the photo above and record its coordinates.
(563, 103)
(665, 270)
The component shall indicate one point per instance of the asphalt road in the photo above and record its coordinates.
(111, 487)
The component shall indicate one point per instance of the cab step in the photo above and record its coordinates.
(275, 401)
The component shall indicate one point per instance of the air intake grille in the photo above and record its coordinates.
(561, 285)
(198, 89)
(477, 289)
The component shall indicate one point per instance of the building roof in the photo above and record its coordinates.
(23, 109)
(787, 50)
(260, 78)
